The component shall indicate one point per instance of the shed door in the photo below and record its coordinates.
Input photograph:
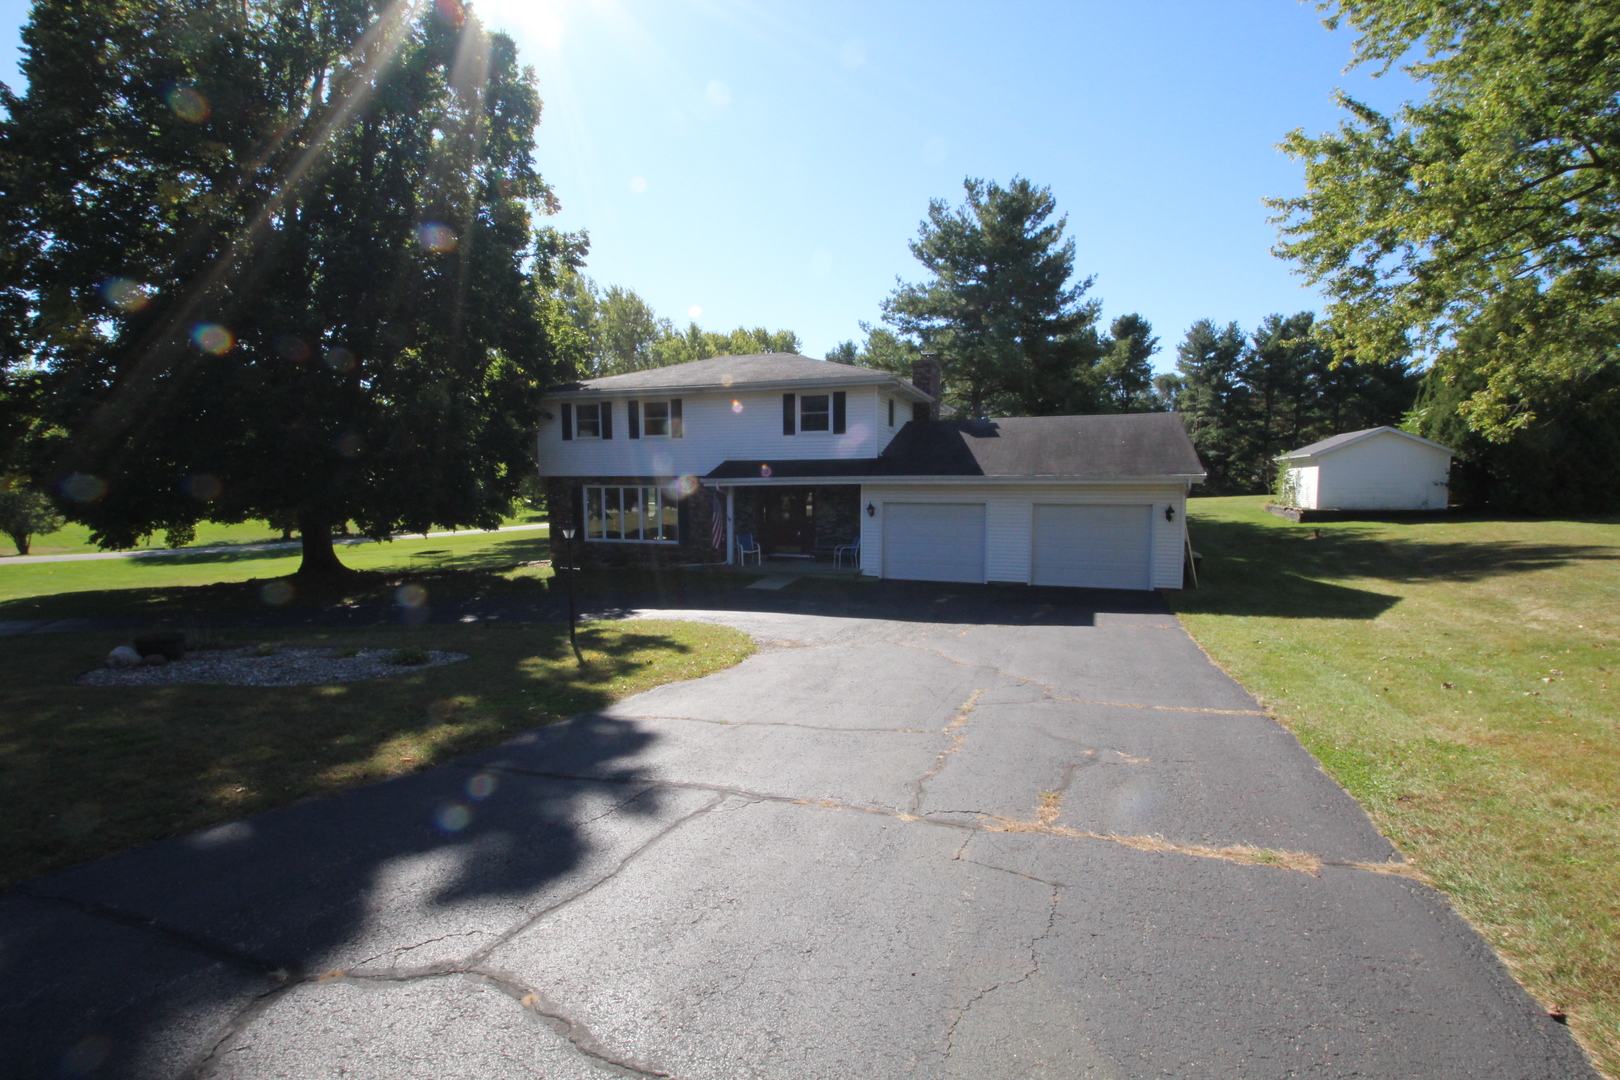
(1094, 547)
(934, 541)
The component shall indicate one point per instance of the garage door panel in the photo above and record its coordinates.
(1095, 547)
(934, 541)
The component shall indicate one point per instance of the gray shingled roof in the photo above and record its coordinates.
(1135, 446)
(1334, 442)
(758, 369)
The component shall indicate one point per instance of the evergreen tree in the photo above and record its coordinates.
(1124, 375)
(1000, 309)
(1213, 402)
(277, 260)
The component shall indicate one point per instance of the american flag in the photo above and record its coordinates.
(717, 518)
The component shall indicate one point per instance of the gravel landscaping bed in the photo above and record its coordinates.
(284, 667)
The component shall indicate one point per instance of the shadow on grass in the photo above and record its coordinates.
(1260, 569)
(295, 889)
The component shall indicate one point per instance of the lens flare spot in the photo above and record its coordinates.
(638, 185)
(481, 786)
(450, 11)
(718, 93)
(437, 238)
(204, 487)
(126, 294)
(410, 596)
(686, 485)
(277, 593)
(86, 1056)
(452, 818)
(293, 348)
(695, 311)
(340, 360)
(212, 338)
(764, 470)
(727, 379)
(349, 445)
(188, 104)
(736, 406)
(84, 488)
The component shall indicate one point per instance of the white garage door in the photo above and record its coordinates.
(1095, 547)
(934, 541)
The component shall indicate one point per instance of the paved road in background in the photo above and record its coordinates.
(951, 837)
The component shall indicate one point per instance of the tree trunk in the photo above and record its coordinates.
(320, 558)
(22, 540)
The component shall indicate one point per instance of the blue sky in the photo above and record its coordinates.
(765, 163)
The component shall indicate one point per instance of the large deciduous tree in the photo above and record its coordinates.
(1479, 227)
(272, 259)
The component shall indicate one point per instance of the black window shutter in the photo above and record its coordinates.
(839, 410)
(891, 412)
(789, 416)
(677, 429)
(632, 410)
(919, 411)
(607, 419)
(568, 420)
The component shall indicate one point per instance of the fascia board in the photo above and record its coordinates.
(948, 481)
(900, 386)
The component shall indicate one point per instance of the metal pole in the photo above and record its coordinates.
(573, 643)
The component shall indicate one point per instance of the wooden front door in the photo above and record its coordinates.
(790, 522)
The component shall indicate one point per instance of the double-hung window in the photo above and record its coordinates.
(645, 515)
(815, 412)
(588, 420)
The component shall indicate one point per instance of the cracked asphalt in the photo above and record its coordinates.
(1042, 843)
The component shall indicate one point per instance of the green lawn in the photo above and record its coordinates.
(86, 771)
(115, 586)
(1457, 676)
(73, 539)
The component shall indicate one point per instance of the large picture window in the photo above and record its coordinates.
(644, 515)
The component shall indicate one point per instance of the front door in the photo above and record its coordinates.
(790, 522)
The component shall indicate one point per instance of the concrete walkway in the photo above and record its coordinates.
(912, 844)
(227, 549)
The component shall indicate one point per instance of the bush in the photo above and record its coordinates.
(409, 656)
(25, 513)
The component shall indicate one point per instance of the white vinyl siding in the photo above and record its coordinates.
(1009, 521)
(1093, 547)
(1302, 480)
(1383, 472)
(713, 430)
(934, 541)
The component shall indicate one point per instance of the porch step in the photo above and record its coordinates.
(775, 581)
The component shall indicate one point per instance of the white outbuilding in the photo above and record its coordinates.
(1380, 468)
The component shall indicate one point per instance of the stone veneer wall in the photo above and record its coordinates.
(564, 505)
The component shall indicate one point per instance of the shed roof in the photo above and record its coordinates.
(1338, 442)
(1140, 446)
(731, 372)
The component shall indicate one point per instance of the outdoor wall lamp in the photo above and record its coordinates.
(871, 511)
(1169, 513)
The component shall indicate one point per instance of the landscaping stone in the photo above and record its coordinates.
(249, 667)
(123, 657)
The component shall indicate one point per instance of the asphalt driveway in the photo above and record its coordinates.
(1054, 841)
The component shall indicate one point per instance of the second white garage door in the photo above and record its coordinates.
(933, 541)
(1094, 547)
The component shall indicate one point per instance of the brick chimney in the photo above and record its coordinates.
(925, 376)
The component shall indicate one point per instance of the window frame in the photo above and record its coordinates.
(647, 420)
(579, 418)
(826, 414)
(598, 497)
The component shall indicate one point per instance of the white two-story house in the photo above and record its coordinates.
(699, 462)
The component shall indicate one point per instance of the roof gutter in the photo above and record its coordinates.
(901, 386)
(833, 481)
